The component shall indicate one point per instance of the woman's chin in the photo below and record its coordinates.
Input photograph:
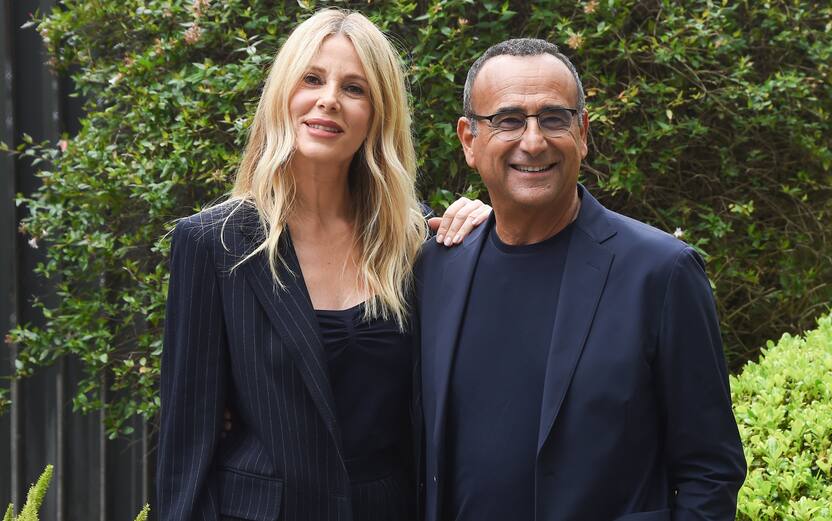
(323, 153)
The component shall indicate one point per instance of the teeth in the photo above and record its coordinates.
(321, 127)
(531, 169)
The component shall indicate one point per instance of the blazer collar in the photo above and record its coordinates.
(585, 273)
(592, 217)
(290, 312)
(456, 284)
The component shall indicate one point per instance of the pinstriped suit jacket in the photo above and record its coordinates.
(234, 339)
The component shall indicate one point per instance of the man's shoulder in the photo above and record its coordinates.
(645, 259)
(621, 234)
(432, 251)
(432, 256)
(644, 248)
(644, 235)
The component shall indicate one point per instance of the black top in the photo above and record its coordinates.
(497, 378)
(370, 369)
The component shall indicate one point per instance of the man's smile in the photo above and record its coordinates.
(532, 169)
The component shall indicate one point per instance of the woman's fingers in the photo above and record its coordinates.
(444, 231)
(475, 218)
(460, 218)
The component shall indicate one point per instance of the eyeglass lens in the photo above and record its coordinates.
(552, 122)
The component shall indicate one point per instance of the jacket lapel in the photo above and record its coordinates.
(456, 283)
(585, 274)
(290, 312)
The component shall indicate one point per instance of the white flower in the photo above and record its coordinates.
(679, 233)
(33, 242)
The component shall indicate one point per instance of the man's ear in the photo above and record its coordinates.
(584, 133)
(466, 139)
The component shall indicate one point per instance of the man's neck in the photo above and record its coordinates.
(517, 225)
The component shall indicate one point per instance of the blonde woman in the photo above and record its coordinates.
(288, 302)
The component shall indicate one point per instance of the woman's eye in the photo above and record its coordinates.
(311, 79)
(355, 90)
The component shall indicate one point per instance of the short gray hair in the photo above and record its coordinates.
(518, 47)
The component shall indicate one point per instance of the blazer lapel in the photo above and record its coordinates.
(584, 277)
(456, 283)
(291, 314)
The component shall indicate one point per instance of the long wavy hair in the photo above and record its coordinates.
(388, 220)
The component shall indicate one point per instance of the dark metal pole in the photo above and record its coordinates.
(9, 425)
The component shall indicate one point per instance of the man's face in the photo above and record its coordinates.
(534, 171)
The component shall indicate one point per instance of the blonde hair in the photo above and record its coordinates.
(389, 224)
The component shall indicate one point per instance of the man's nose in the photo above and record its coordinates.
(533, 142)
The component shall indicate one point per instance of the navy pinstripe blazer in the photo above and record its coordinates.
(234, 339)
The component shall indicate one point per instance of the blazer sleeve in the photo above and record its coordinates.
(193, 380)
(704, 451)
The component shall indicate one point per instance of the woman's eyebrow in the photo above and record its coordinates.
(356, 77)
(348, 77)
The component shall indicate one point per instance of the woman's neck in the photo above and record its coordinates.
(323, 196)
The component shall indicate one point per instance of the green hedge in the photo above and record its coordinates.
(707, 117)
(783, 406)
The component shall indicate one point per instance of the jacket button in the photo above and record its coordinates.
(435, 478)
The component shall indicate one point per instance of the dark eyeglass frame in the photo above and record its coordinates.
(573, 112)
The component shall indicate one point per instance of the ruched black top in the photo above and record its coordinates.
(370, 369)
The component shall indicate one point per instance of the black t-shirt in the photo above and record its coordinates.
(497, 378)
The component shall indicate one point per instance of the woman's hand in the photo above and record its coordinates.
(459, 219)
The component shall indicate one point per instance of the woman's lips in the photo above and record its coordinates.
(323, 127)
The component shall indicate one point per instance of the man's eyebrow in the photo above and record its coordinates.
(505, 110)
(348, 77)
(553, 107)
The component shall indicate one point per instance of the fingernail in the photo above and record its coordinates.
(448, 241)
(439, 238)
(457, 239)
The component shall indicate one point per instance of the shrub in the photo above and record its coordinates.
(710, 118)
(783, 406)
(35, 498)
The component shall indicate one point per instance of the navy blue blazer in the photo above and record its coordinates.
(636, 421)
(233, 339)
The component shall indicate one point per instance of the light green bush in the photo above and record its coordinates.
(783, 405)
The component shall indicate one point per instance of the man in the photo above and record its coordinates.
(572, 366)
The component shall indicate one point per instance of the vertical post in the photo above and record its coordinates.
(34, 91)
(60, 471)
(102, 457)
(9, 439)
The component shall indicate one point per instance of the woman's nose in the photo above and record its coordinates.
(328, 99)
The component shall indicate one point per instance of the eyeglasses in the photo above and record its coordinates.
(511, 125)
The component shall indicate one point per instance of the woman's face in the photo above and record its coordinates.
(331, 106)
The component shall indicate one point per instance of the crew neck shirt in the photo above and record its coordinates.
(497, 377)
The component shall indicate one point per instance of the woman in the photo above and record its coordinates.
(303, 335)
